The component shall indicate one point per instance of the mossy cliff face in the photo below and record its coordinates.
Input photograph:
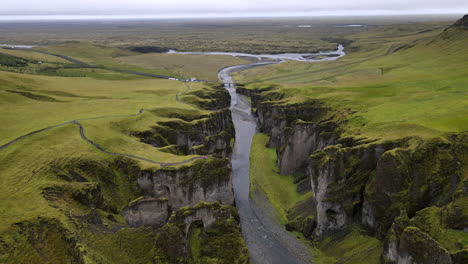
(213, 97)
(338, 177)
(208, 134)
(357, 181)
(96, 218)
(147, 211)
(219, 241)
(295, 130)
(204, 181)
(412, 178)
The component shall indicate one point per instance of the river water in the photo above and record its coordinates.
(309, 57)
(263, 246)
(266, 240)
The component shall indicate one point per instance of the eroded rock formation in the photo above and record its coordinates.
(370, 183)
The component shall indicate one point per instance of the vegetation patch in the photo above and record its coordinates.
(280, 190)
(12, 61)
(33, 96)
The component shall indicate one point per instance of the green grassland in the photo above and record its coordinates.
(45, 213)
(390, 85)
(173, 65)
(264, 175)
(60, 99)
(202, 67)
(396, 81)
(64, 99)
(29, 62)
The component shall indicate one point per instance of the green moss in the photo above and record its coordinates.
(40, 240)
(127, 245)
(430, 220)
(209, 172)
(350, 246)
(264, 175)
(194, 241)
(220, 243)
(421, 247)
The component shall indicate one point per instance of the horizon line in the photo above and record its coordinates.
(337, 13)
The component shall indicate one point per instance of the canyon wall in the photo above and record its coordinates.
(369, 183)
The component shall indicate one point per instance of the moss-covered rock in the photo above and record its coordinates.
(40, 240)
(206, 180)
(430, 173)
(210, 134)
(417, 247)
(219, 242)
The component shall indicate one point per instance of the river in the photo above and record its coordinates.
(267, 241)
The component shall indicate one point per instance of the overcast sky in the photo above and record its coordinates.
(219, 8)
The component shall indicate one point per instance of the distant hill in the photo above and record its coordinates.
(461, 23)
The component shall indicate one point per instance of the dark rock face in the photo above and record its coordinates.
(462, 22)
(168, 189)
(301, 141)
(221, 241)
(417, 247)
(339, 177)
(211, 134)
(205, 181)
(411, 179)
(295, 130)
(147, 212)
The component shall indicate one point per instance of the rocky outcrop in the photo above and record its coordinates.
(147, 211)
(339, 176)
(220, 238)
(299, 143)
(413, 178)
(170, 189)
(210, 134)
(409, 244)
(207, 180)
(370, 183)
(461, 23)
(295, 130)
(211, 97)
(417, 247)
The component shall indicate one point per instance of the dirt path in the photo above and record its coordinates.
(82, 130)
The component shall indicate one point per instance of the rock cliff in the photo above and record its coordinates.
(169, 189)
(209, 134)
(370, 183)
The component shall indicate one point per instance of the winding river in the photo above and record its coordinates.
(267, 241)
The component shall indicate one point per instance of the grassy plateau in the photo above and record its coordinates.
(396, 82)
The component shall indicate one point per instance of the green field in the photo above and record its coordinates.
(385, 89)
(187, 66)
(396, 82)
(37, 192)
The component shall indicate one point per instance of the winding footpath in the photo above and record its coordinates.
(82, 130)
(97, 146)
